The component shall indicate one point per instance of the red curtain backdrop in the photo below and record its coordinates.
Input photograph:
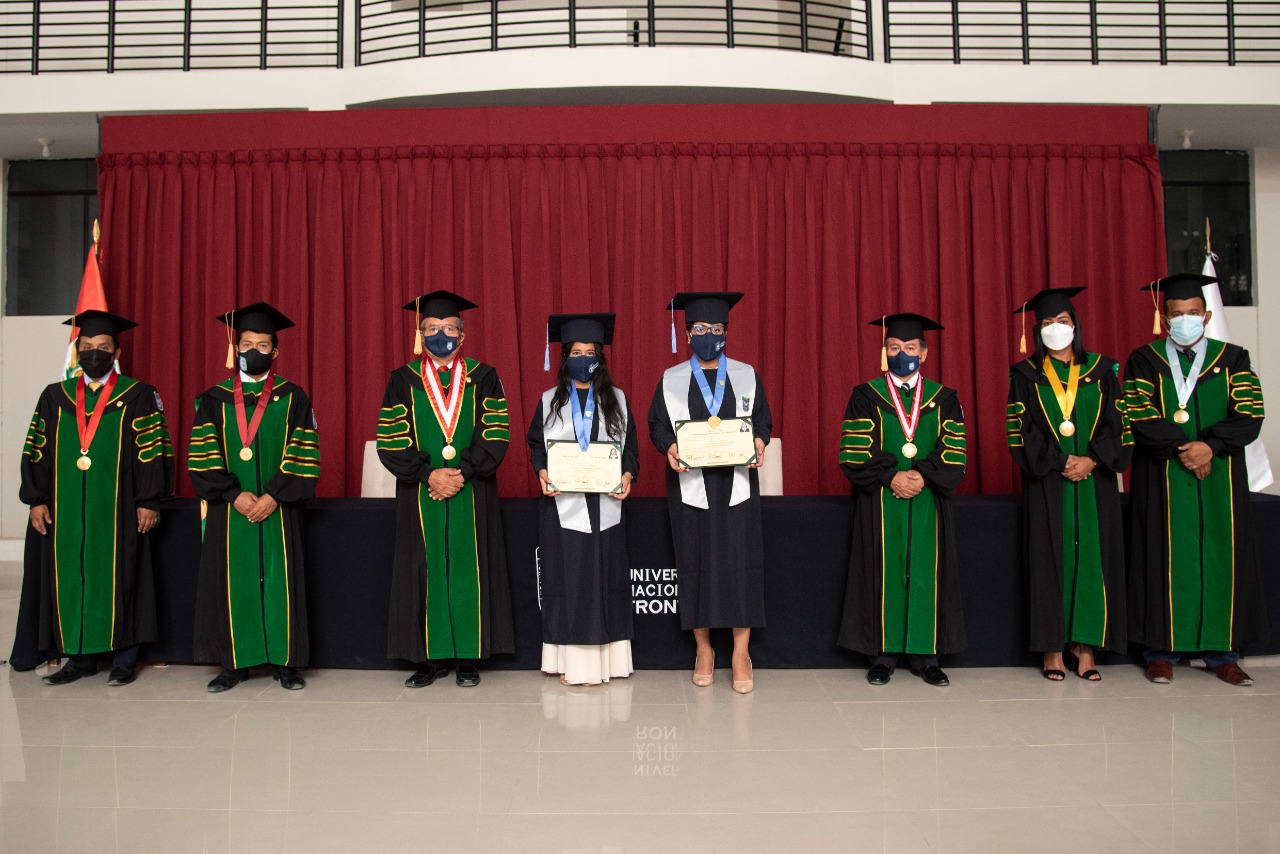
(827, 217)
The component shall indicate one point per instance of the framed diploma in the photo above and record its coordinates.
(721, 442)
(597, 469)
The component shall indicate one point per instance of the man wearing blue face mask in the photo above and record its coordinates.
(715, 511)
(442, 432)
(903, 449)
(1194, 404)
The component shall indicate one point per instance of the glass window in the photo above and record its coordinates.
(51, 208)
(1212, 185)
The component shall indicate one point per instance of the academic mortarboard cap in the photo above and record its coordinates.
(1180, 286)
(93, 322)
(439, 304)
(1050, 302)
(705, 306)
(259, 317)
(906, 325)
(587, 328)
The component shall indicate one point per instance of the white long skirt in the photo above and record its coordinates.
(588, 665)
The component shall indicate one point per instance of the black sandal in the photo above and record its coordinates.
(1090, 675)
(1053, 675)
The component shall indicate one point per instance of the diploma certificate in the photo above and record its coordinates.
(732, 442)
(597, 469)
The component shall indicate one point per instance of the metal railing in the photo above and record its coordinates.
(1094, 31)
(388, 30)
(39, 36)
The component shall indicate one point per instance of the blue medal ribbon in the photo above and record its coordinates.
(710, 398)
(583, 421)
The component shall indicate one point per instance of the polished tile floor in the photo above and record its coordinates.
(812, 761)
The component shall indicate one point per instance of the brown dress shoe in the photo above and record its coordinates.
(1160, 672)
(1232, 674)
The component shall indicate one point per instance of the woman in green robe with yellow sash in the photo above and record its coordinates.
(1068, 431)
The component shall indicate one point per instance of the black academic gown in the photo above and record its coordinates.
(719, 551)
(457, 605)
(586, 578)
(106, 600)
(870, 468)
(1227, 409)
(1037, 449)
(251, 599)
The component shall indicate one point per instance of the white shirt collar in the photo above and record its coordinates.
(910, 381)
(1198, 348)
(101, 379)
(245, 378)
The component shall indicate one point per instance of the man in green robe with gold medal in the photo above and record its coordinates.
(96, 462)
(443, 432)
(903, 449)
(254, 461)
(1068, 431)
(1194, 404)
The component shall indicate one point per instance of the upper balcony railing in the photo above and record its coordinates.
(41, 36)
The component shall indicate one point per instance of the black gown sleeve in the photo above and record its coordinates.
(492, 434)
(397, 444)
(37, 453)
(1033, 447)
(206, 457)
(762, 415)
(866, 466)
(631, 447)
(661, 433)
(1244, 410)
(1112, 444)
(300, 469)
(1151, 431)
(152, 453)
(535, 439)
(943, 470)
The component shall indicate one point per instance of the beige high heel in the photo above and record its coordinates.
(745, 686)
(703, 680)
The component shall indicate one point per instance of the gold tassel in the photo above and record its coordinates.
(231, 346)
(1022, 342)
(417, 328)
(1155, 324)
(1154, 287)
(884, 349)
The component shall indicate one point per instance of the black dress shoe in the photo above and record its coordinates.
(69, 674)
(879, 674)
(226, 680)
(290, 679)
(426, 674)
(121, 676)
(468, 676)
(933, 675)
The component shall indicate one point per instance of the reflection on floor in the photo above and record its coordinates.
(812, 761)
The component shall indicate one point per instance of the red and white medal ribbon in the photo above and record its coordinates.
(447, 412)
(909, 449)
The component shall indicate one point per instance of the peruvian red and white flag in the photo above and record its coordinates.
(1255, 455)
(92, 296)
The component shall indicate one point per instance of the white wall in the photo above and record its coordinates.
(1266, 276)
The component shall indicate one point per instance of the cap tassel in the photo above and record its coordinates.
(1022, 342)
(1155, 302)
(231, 346)
(673, 327)
(417, 327)
(546, 353)
(884, 348)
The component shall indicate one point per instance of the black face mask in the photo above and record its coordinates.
(255, 363)
(96, 363)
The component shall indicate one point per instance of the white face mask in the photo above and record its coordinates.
(1057, 335)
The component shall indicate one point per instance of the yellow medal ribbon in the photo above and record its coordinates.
(1066, 396)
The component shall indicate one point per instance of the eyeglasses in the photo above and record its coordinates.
(448, 329)
(703, 329)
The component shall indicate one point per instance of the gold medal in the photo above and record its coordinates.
(246, 454)
(449, 452)
(1182, 416)
(713, 422)
(909, 450)
(84, 462)
(1066, 428)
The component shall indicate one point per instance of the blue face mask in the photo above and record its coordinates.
(1186, 329)
(440, 344)
(707, 347)
(902, 364)
(582, 368)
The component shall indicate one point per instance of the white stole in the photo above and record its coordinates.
(675, 391)
(572, 506)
